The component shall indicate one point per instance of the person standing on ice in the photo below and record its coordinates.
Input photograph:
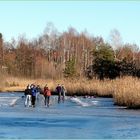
(63, 91)
(38, 89)
(47, 94)
(58, 92)
(28, 96)
(34, 91)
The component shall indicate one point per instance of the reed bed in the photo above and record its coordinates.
(78, 87)
(125, 91)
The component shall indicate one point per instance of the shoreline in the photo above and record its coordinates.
(124, 91)
(79, 95)
(68, 94)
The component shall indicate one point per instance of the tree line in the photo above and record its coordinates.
(69, 54)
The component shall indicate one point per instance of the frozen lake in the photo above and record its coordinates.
(76, 118)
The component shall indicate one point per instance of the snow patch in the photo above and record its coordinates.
(79, 102)
(8, 101)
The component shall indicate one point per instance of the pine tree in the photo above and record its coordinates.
(70, 70)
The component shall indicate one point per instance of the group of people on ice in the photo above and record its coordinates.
(32, 93)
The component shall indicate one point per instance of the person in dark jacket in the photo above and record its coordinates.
(58, 92)
(38, 92)
(63, 91)
(28, 96)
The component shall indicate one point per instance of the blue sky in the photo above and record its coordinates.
(97, 17)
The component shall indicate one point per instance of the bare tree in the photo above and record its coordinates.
(116, 39)
(1, 51)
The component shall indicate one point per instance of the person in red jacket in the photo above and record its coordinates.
(47, 94)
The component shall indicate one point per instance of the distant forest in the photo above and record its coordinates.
(70, 54)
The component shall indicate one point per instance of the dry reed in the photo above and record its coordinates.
(125, 91)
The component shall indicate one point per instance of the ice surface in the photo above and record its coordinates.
(75, 118)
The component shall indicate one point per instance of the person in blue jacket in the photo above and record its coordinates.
(34, 91)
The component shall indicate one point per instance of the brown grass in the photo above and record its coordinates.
(125, 91)
(79, 87)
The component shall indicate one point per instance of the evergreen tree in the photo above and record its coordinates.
(103, 61)
(70, 70)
